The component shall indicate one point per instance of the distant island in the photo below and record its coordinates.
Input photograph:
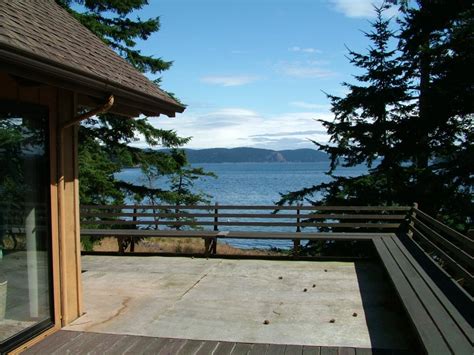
(254, 155)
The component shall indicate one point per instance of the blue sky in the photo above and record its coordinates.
(252, 72)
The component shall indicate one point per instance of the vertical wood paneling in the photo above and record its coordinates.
(48, 97)
(8, 88)
(68, 209)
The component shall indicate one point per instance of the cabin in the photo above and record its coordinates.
(54, 73)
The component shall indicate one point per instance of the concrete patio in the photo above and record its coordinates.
(345, 303)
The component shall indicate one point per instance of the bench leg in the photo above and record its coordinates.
(120, 245)
(214, 246)
(210, 246)
(207, 247)
(296, 247)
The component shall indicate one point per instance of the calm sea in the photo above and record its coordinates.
(253, 184)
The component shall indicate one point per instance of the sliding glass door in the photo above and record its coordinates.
(26, 306)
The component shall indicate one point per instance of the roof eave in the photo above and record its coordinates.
(27, 65)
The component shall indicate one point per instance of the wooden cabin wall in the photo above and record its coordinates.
(70, 248)
(64, 187)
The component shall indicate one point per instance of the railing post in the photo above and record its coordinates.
(411, 223)
(216, 228)
(216, 218)
(207, 247)
(132, 241)
(297, 242)
(298, 220)
(120, 241)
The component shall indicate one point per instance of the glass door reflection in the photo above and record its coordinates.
(25, 257)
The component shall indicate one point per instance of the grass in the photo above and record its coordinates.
(181, 245)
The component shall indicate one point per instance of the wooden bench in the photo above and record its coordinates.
(209, 237)
(440, 310)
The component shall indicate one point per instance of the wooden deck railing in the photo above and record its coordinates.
(451, 250)
(218, 216)
(244, 221)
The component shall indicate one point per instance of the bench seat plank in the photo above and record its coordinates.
(429, 334)
(230, 234)
(450, 330)
(449, 307)
(303, 235)
(148, 233)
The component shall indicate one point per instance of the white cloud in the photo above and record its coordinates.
(238, 127)
(304, 50)
(359, 8)
(233, 112)
(304, 70)
(309, 105)
(229, 80)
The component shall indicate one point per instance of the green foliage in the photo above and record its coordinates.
(104, 141)
(181, 178)
(409, 117)
(12, 178)
(109, 20)
(182, 181)
(365, 122)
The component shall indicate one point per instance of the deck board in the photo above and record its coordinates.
(154, 347)
(207, 348)
(294, 350)
(347, 351)
(54, 341)
(73, 342)
(259, 349)
(191, 347)
(241, 349)
(106, 342)
(224, 348)
(329, 350)
(276, 349)
(311, 350)
(140, 344)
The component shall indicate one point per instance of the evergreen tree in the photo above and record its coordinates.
(104, 141)
(437, 41)
(364, 129)
(180, 176)
(414, 114)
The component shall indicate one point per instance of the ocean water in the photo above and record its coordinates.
(253, 184)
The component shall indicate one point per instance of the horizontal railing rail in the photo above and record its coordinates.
(250, 207)
(244, 215)
(450, 250)
(332, 217)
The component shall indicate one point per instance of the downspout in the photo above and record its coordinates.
(98, 110)
(65, 318)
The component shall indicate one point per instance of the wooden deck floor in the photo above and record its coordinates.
(73, 342)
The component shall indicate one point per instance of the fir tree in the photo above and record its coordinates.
(104, 141)
(364, 129)
(413, 113)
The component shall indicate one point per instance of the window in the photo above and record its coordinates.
(26, 306)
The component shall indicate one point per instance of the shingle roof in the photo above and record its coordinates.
(45, 31)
